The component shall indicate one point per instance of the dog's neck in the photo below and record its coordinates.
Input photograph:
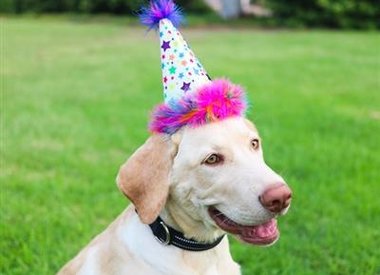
(174, 215)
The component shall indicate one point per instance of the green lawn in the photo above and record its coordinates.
(75, 103)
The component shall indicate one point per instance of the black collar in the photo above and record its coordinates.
(167, 235)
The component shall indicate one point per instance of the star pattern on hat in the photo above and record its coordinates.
(172, 70)
(186, 86)
(165, 45)
(181, 70)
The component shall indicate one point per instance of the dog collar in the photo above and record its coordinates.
(167, 235)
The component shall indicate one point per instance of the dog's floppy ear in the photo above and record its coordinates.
(144, 177)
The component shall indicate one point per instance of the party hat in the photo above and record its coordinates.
(191, 97)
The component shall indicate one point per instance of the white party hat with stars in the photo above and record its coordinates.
(191, 97)
(181, 71)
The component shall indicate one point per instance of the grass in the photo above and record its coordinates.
(75, 103)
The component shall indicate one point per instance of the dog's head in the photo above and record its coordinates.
(211, 179)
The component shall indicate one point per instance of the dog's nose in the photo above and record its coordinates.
(276, 197)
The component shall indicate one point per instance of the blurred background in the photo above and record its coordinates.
(359, 14)
(79, 79)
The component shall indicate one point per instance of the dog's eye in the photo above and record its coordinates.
(213, 159)
(255, 143)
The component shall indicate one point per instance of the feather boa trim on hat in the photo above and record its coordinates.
(214, 101)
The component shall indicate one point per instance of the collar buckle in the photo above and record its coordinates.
(167, 235)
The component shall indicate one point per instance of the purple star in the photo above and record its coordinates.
(186, 86)
(165, 45)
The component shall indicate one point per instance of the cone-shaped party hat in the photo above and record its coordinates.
(191, 98)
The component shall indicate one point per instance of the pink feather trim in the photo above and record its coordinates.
(214, 101)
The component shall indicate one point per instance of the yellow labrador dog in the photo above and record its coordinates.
(202, 182)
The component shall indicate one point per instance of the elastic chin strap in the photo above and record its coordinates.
(167, 235)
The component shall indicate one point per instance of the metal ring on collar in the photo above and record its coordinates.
(167, 237)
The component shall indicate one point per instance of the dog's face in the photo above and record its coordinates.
(216, 181)
(219, 171)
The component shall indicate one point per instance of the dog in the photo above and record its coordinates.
(201, 181)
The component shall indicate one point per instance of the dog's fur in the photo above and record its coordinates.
(167, 176)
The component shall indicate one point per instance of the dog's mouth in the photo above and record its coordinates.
(263, 234)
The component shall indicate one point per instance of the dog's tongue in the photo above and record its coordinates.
(260, 234)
